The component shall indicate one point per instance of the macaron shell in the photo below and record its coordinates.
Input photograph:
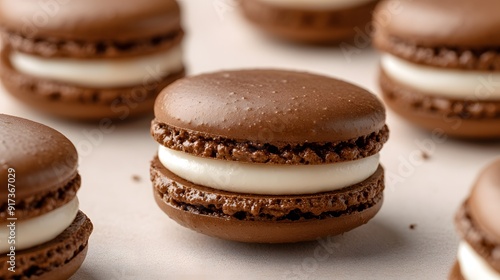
(308, 26)
(409, 104)
(484, 201)
(456, 274)
(69, 269)
(267, 232)
(270, 106)
(80, 20)
(57, 259)
(40, 203)
(91, 50)
(438, 56)
(43, 158)
(455, 23)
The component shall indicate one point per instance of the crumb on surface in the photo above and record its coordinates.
(425, 155)
(136, 178)
(413, 226)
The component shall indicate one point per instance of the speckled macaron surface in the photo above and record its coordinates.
(232, 129)
(43, 232)
(443, 72)
(75, 61)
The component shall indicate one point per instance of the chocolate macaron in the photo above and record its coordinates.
(479, 226)
(311, 21)
(440, 65)
(90, 59)
(268, 156)
(43, 234)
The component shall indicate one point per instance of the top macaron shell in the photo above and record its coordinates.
(270, 106)
(43, 159)
(446, 22)
(90, 20)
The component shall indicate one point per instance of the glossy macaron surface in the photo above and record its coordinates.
(114, 19)
(270, 106)
(43, 159)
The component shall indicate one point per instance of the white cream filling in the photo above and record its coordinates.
(38, 230)
(444, 82)
(266, 178)
(101, 72)
(317, 4)
(473, 266)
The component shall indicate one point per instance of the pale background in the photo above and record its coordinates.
(133, 239)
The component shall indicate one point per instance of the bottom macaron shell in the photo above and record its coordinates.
(359, 204)
(305, 26)
(75, 102)
(462, 120)
(57, 259)
(456, 274)
(67, 270)
(267, 232)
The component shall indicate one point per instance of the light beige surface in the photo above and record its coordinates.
(133, 239)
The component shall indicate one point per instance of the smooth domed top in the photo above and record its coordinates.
(90, 19)
(435, 23)
(270, 106)
(485, 200)
(43, 159)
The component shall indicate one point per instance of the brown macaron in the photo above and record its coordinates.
(312, 21)
(90, 59)
(478, 224)
(440, 65)
(44, 235)
(268, 156)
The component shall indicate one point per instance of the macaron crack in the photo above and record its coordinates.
(307, 22)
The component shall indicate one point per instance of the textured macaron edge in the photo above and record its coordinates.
(308, 25)
(478, 239)
(217, 147)
(268, 231)
(43, 202)
(182, 194)
(47, 257)
(450, 57)
(55, 47)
